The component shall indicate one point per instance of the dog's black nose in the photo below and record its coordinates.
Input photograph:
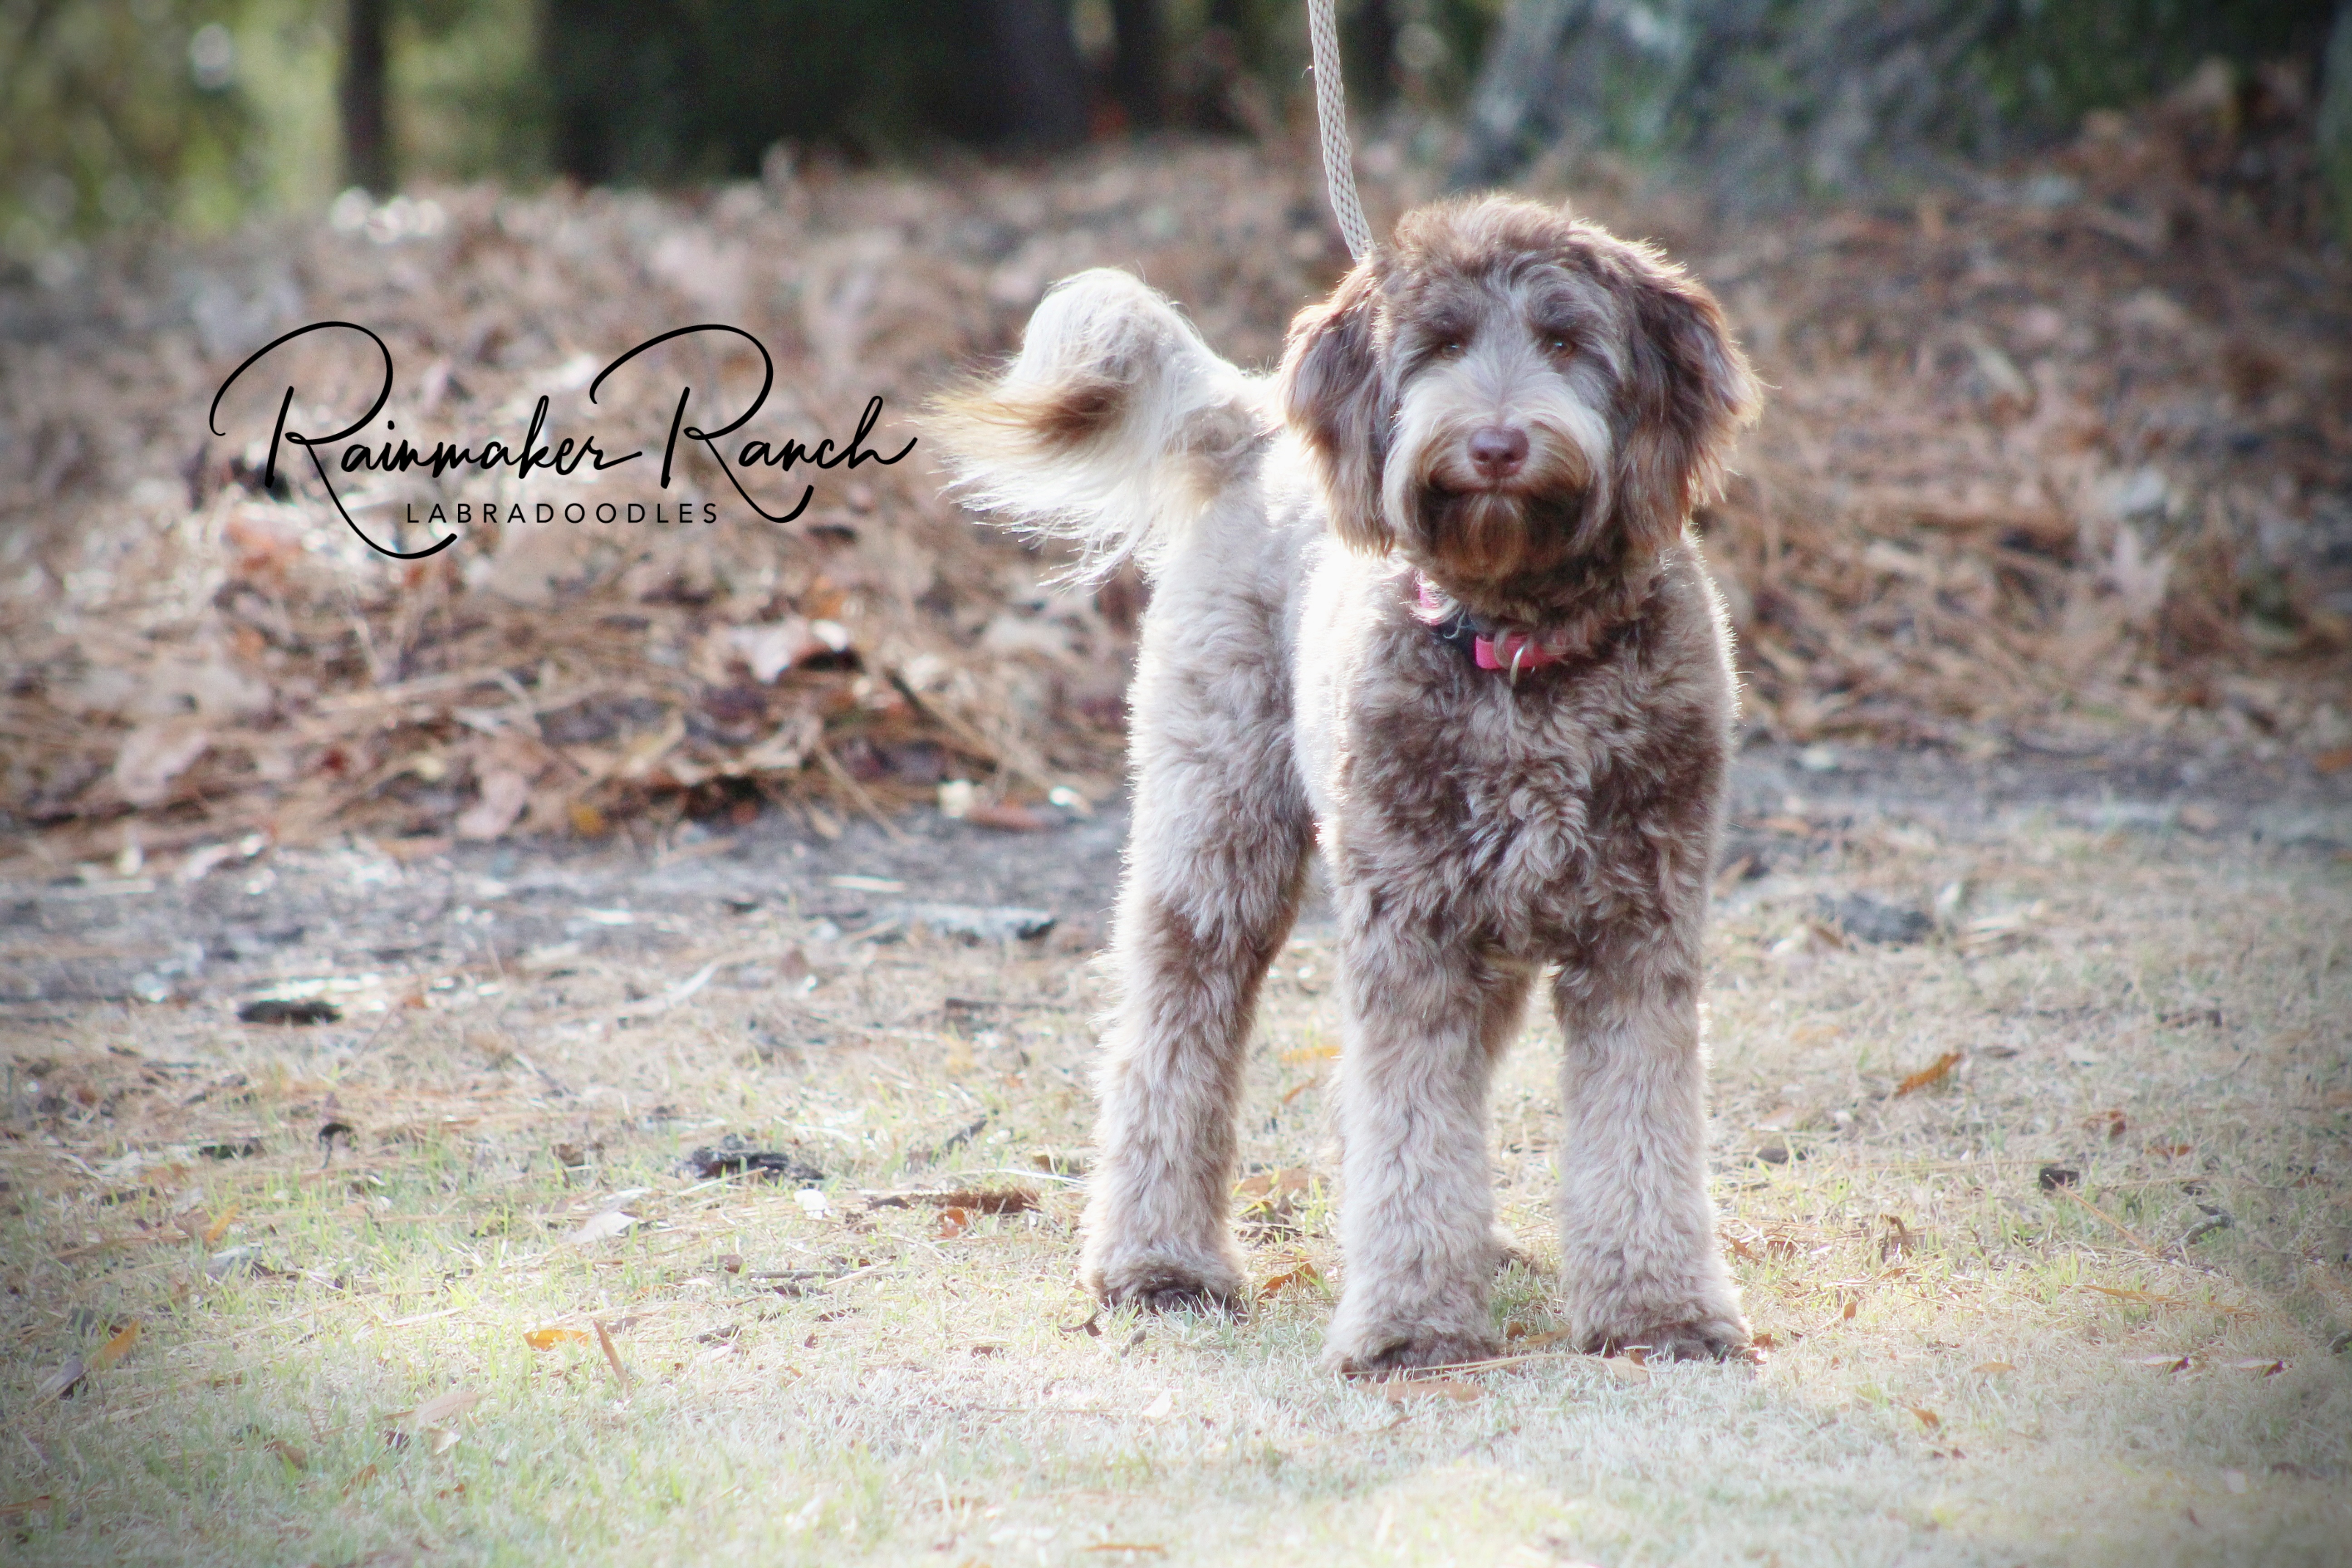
(1498, 450)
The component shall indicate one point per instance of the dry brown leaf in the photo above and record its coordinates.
(1927, 1418)
(1398, 1390)
(1303, 1274)
(1933, 1072)
(2169, 1362)
(1008, 818)
(988, 1200)
(115, 1348)
(601, 1227)
(2149, 1298)
(1526, 1339)
(1992, 1366)
(548, 1338)
(612, 1356)
(442, 1408)
(2110, 1121)
(287, 1452)
(219, 1227)
(156, 753)
(504, 793)
(954, 1222)
(1625, 1369)
(1274, 1186)
(2268, 1368)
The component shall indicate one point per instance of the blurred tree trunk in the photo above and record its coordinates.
(1034, 58)
(2334, 129)
(361, 97)
(1505, 104)
(1138, 72)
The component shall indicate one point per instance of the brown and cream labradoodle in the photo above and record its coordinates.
(1424, 600)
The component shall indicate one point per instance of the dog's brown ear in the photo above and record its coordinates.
(1690, 392)
(1332, 396)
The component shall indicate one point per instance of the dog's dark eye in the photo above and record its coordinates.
(1559, 343)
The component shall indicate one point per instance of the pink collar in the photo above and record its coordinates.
(1489, 646)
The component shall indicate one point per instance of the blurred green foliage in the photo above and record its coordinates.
(2047, 62)
(193, 112)
(113, 113)
(666, 89)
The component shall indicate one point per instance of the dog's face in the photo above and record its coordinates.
(1514, 399)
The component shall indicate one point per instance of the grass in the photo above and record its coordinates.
(1966, 1366)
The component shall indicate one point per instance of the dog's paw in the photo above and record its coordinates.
(1158, 1281)
(1708, 1338)
(1370, 1355)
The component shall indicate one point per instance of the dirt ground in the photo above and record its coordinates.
(2032, 1085)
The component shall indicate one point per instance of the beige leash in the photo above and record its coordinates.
(1331, 114)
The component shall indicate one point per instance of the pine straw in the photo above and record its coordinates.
(2022, 469)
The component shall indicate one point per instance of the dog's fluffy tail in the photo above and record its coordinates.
(1114, 426)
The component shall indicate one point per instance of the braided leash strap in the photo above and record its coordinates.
(1331, 114)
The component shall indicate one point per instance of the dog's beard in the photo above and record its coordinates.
(1494, 538)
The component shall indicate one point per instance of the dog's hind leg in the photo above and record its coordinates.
(1427, 1019)
(1640, 1263)
(1216, 865)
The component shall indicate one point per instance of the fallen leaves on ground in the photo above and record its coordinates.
(601, 1227)
(115, 1348)
(1303, 1274)
(2111, 1122)
(1402, 1390)
(613, 1357)
(1933, 1072)
(987, 1200)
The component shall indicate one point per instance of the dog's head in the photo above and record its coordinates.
(1517, 400)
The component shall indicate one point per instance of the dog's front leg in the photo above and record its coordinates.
(1639, 1262)
(1425, 1022)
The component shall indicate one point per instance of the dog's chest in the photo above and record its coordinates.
(1542, 799)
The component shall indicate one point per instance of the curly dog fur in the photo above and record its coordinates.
(1506, 415)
